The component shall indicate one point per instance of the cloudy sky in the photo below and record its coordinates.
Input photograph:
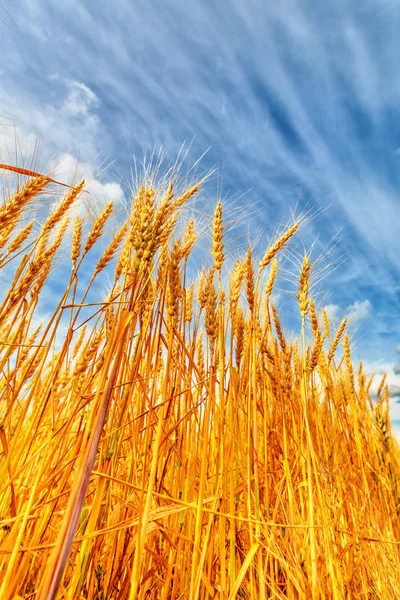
(297, 103)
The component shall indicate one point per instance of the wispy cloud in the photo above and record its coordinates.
(80, 100)
(65, 119)
(359, 310)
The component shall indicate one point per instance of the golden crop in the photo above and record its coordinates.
(176, 444)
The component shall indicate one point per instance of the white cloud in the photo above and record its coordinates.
(80, 100)
(396, 367)
(65, 121)
(68, 170)
(358, 310)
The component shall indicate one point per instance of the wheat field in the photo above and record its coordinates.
(169, 440)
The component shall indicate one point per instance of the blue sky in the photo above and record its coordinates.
(297, 101)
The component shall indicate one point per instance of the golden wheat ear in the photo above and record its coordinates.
(30, 173)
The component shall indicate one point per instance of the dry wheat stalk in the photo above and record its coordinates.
(336, 339)
(62, 209)
(278, 245)
(76, 241)
(217, 236)
(250, 279)
(190, 239)
(189, 292)
(111, 249)
(304, 281)
(271, 278)
(97, 228)
(326, 324)
(19, 239)
(278, 328)
(236, 285)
